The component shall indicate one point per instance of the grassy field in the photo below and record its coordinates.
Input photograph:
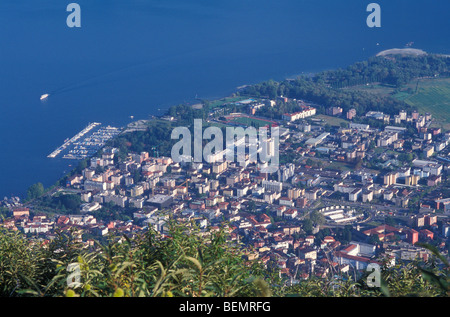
(248, 121)
(432, 95)
(333, 121)
(217, 103)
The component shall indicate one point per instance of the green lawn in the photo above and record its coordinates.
(217, 103)
(433, 96)
(248, 121)
(333, 121)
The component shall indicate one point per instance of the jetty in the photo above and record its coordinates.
(75, 138)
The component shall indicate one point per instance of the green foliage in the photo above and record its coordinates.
(35, 191)
(156, 137)
(16, 262)
(184, 263)
(325, 88)
(63, 203)
(395, 71)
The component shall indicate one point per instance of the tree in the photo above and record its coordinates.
(390, 221)
(71, 202)
(308, 226)
(35, 191)
(309, 162)
(346, 234)
(317, 218)
(374, 239)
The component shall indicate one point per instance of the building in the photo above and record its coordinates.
(318, 140)
(286, 201)
(20, 212)
(94, 185)
(137, 190)
(390, 178)
(359, 126)
(351, 114)
(433, 180)
(160, 201)
(294, 193)
(334, 111)
(426, 234)
(403, 114)
(304, 113)
(354, 194)
(383, 232)
(116, 199)
(387, 138)
(395, 129)
(428, 151)
(350, 256)
(367, 196)
(272, 186)
(412, 236)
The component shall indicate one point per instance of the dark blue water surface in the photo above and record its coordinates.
(133, 57)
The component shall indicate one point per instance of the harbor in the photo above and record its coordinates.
(87, 146)
(92, 143)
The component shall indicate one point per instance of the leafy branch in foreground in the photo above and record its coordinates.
(184, 263)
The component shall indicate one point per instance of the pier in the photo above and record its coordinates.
(91, 144)
(75, 138)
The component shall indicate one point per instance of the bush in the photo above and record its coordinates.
(184, 263)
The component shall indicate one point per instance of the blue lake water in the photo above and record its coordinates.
(133, 57)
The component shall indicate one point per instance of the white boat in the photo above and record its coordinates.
(45, 96)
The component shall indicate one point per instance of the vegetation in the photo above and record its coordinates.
(424, 95)
(395, 71)
(155, 140)
(35, 191)
(184, 264)
(253, 122)
(325, 88)
(433, 97)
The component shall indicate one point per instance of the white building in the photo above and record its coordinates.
(306, 112)
(272, 186)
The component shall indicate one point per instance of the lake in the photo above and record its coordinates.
(137, 58)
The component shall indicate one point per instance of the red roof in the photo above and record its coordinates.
(356, 258)
(349, 248)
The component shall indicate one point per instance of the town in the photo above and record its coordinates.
(346, 193)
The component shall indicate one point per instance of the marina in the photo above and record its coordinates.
(92, 143)
(75, 138)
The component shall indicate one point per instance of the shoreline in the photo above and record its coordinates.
(403, 51)
(137, 125)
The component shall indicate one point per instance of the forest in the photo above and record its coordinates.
(326, 88)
